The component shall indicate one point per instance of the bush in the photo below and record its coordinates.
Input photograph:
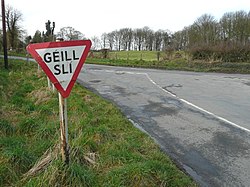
(222, 52)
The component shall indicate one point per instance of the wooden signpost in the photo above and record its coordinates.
(62, 63)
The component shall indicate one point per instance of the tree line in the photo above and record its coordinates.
(226, 39)
(207, 39)
(134, 39)
(206, 30)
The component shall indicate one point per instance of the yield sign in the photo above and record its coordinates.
(61, 61)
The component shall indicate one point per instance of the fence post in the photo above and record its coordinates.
(158, 56)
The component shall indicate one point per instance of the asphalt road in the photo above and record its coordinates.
(201, 120)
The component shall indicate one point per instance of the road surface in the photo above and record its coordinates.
(201, 120)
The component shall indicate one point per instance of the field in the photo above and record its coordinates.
(105, 148)
(138, 55)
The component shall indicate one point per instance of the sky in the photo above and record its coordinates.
(95, 17)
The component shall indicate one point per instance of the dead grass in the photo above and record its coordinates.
(41, 96)
(43, 163)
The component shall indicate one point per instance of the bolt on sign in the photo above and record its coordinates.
(61, 61)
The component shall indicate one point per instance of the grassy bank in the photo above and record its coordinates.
(105, 148)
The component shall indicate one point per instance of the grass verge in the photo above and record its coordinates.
(105, 148)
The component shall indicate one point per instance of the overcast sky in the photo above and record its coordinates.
(94, 17)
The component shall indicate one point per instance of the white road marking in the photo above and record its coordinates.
(183, 100)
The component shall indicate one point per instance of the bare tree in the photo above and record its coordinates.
(158, 36)
(148, 38)
(204, 31)
(180, 39)
(207, 25)
(96, 43)
(235, 27)
(126, 38)
(241, 26)
(69, 33)
(226, 25)
(111, 40)
(118, 39)
(14, 30)
(167, 40)
(129, 38)
(138, 36)
(104, 40)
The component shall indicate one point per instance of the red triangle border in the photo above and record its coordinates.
(31, 48)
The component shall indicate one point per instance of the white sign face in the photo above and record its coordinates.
(62, 62)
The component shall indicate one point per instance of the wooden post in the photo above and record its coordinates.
(38, 68)
(53, 87)
(49, 83)
(27, 58)
(63, 128)
(158, 55)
